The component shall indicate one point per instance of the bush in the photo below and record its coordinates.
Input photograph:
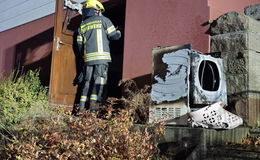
(138, 99)
(86, 138)
(51, 133)
(20, 94)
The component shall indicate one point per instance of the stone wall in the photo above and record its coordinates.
(237, 37)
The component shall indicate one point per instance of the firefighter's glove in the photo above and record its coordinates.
(119, 33)
(79, 79)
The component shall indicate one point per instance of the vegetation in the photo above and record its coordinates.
(20, 96)
(30, 129)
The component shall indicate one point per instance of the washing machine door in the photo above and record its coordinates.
(208, 81)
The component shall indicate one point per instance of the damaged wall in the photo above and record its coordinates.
(237, 37)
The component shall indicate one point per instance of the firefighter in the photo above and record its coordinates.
(93, 38)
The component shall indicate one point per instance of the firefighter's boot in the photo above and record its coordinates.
(93, 106)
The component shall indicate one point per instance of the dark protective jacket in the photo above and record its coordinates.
(93, 38)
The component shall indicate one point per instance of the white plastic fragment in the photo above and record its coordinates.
(214, 116)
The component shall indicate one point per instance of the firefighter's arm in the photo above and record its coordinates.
(80, 40)
(112, 32)
(115, 36)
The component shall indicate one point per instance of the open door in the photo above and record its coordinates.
(67, 62)
(63, 69)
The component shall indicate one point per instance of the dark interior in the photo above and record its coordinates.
(209, 76)
(115, 11)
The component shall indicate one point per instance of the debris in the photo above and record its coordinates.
(184, 73)
(73, 5)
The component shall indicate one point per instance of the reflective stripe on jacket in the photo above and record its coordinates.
(94, 33)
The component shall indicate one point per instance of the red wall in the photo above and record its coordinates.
(28, 45)
(151, 23)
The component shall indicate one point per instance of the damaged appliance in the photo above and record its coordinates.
(207, 80)
(184, 80)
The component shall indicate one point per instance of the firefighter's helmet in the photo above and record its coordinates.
(95, 4)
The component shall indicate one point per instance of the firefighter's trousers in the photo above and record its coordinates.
(95, 79)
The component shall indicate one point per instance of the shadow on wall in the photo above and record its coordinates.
(35, 53)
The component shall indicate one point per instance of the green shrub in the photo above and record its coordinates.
(19, 94)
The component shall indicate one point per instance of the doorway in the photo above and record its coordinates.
(67, 61)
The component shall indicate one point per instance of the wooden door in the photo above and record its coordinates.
(63, 69)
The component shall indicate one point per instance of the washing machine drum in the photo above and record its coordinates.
(208, 81)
